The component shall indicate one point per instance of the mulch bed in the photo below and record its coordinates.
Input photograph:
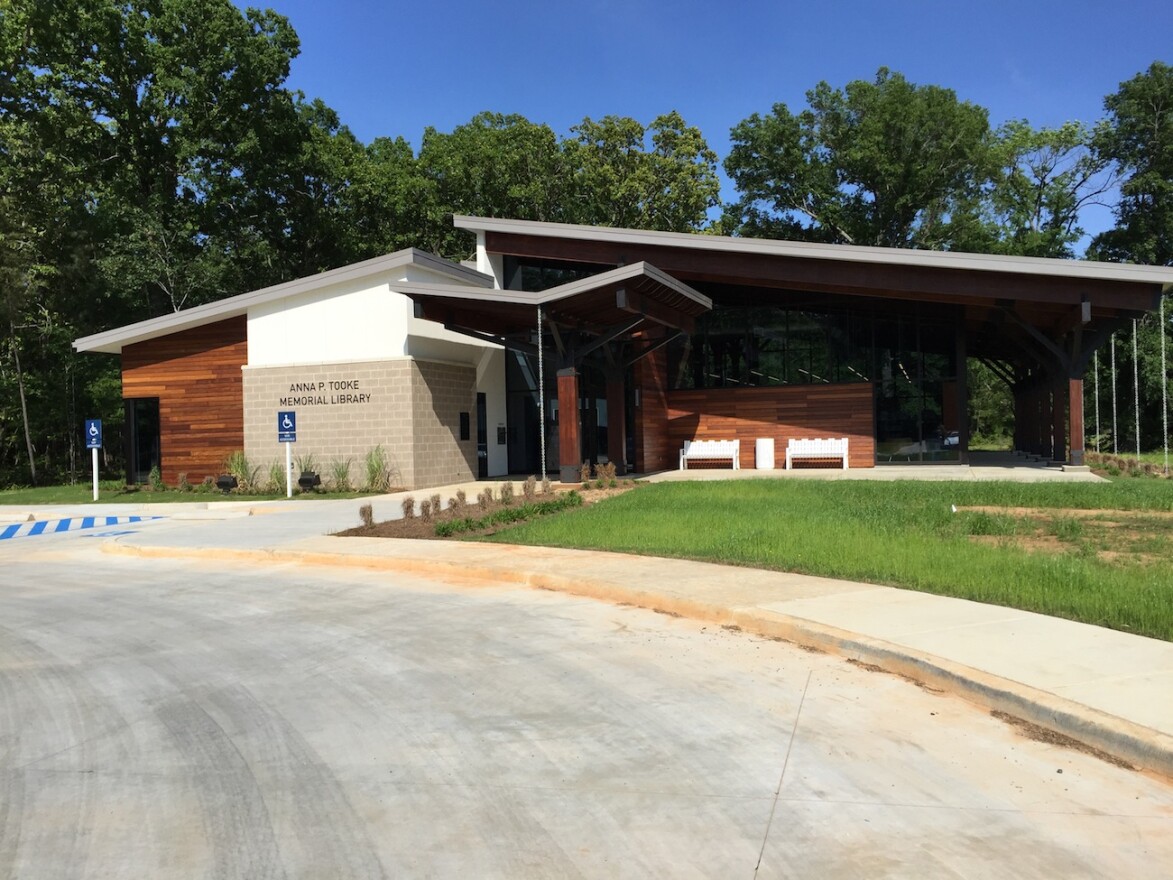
(417, 527)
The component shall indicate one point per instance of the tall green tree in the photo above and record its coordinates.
(622, 174)
(495, 165)
(884, 162)
(1138, 138)
(1042, 180)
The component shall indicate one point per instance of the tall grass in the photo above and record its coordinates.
(903, 534)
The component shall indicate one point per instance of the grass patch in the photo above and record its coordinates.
(905, 534)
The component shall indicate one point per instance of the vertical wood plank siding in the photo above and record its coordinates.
(196, 374)
(794, 411)
(653, 448)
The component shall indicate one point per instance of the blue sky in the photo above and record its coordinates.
(394, 68)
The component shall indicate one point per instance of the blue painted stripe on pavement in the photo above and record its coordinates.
(68, 524)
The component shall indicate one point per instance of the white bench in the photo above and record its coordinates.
(830, 447)
(711, 450)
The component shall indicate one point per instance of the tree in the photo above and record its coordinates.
(150, 159)
(495, 165)
(619, 181)
(882, 163)
(1138, 138)
(1031, 206)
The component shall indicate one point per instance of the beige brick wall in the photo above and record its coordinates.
(344, 410)
(440, 392)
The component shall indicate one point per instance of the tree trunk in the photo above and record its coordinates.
(24, 409)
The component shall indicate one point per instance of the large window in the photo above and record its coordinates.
(907, 353)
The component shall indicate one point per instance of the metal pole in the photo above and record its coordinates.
(1136, 388)
(1115, 428)
(542, 392)
(1164, 387)
(288, 470)
(95, 461)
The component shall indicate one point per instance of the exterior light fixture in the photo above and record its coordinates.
(308, 481)
(226, 483)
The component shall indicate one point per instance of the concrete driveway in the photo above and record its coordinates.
(161, 718)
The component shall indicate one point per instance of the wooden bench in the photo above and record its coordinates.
(711, 450)
(819, 448)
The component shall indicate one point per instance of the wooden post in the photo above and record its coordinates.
(1075, 418)
(569, 434)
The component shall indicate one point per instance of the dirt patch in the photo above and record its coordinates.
(872, 667)
(419, 528)
(1050, 513)
(1115, 537)
(1043, 735)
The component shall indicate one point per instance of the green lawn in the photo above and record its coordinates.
(1089, 568)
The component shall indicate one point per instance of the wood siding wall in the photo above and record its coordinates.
(653, 448)
(196, 374)
(793, 411)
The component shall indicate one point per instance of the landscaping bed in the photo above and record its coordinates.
(480, 518)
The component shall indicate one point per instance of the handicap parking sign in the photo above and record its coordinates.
(287, 427)
(93, 433)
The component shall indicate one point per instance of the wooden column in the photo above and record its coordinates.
(616, 424)
(569, 433)
(1075, 420)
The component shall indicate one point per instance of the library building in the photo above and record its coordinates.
(596, 344)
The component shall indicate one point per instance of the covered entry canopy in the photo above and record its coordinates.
(1035, 322)
(615, 317)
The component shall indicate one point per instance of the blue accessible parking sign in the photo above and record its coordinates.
(287, 427)
(93, 433)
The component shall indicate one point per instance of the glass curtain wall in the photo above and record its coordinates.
(909, 357)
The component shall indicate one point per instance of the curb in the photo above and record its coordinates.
(1140, 747)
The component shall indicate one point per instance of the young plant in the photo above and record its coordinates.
(437, 506)
(507, 493)
(277, 476)
(529, 488)
(367, 514)
(426, 510)
(409, 507)
(378, 472)
(340, 474)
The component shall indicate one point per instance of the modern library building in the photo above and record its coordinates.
(596, 344)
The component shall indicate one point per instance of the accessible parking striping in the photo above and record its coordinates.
(68, 524)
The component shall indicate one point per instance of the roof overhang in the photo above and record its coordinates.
(596, 304)
(373, 270)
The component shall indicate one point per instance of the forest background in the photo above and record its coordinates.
(152, 158)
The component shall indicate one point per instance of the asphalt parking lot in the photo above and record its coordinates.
(164, 718)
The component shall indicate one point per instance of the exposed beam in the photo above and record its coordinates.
(656, 346)
(638, 304)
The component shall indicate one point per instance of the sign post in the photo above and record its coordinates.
(94, 442)
(287, 434)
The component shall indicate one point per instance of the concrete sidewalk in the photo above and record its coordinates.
(1106, 689)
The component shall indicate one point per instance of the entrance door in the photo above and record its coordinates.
(142, 438)
(482, 437)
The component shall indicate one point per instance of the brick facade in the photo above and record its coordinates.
(344, 410)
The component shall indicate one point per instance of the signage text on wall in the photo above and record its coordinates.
(326, 392)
